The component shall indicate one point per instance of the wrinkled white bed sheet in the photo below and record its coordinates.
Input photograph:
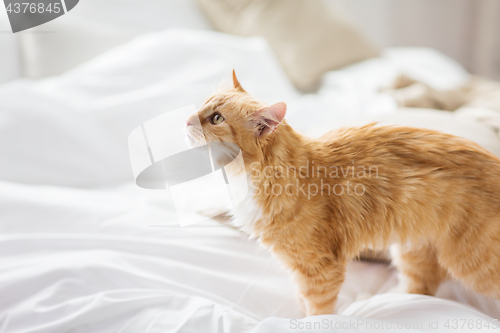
(77, 250)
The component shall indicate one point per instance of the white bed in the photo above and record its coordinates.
(77, 250)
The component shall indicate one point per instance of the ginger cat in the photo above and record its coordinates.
(316, 203)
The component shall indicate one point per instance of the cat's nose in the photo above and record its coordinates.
(188, 123)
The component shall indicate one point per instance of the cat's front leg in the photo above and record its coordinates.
(319, 282)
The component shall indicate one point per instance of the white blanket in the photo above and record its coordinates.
(77, 250)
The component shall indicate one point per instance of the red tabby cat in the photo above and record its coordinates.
(318, 202)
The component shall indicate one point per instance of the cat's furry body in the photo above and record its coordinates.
(435, 196)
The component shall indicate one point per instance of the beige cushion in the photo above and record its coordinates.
(308, 37)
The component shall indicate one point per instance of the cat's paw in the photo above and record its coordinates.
(316, 309)
(319, 311)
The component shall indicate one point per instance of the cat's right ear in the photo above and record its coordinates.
(237, 84)
(269, 118)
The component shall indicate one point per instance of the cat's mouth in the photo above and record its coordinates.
(192, 139)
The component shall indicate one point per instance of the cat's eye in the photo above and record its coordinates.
(217, 118)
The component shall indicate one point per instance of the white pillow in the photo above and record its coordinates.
(95, 26)
(9, 50)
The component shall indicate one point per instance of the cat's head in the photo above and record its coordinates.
(234, 116)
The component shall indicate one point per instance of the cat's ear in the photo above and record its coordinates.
(269, 118)
(236, 83)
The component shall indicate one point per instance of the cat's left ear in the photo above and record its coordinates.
(236, 83)
(269, 118)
